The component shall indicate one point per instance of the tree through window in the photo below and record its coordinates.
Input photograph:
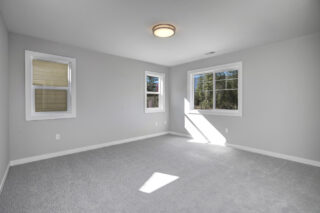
(216, 90)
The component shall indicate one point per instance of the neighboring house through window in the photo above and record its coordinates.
(154, 92)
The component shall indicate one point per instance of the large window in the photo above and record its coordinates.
(50, 86)
(154, 92)
(216, 90)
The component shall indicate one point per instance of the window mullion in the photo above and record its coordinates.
(50, 87)
(225, 83)
(155, 93)
(214, 90)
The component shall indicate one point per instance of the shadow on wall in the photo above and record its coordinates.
(201, 130)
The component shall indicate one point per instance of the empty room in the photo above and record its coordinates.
(156, 106)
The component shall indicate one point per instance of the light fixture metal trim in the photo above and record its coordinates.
(163, 30)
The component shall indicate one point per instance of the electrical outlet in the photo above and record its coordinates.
(58, 137)
(226, 130)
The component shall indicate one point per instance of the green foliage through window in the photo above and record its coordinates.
(203, 91)
(224, 85)
(226, 90)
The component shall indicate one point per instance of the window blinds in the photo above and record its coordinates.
(46, 73)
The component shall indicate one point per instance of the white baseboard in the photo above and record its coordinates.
(4, 178)
(179, 134)
(263, 152)
(277, 155)
(81, 149)
(111, 143)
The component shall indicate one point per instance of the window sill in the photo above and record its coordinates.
(216, 112)
(153, 110)
(50, 117)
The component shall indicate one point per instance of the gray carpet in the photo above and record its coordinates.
(211, 179)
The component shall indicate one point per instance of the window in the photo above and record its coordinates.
(154, 92)
(216, 90)
(50, 86)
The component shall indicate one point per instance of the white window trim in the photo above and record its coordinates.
(161, 92)
(215, 69)
(29, 88)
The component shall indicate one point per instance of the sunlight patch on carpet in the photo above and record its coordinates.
(157, 181)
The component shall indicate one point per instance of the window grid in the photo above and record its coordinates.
(68, 89)
(159, 93)
(232, 103)
(48, 110)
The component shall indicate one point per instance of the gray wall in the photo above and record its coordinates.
(281, 99)
(110, 101)
(4, 109)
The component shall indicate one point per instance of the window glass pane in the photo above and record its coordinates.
(47, 73)
(203, 91)
(227, 75)
(152, 84)
(220, 76)
(227, 99)
(221, 84)
(226, 86)
(232, 84)
(231, 74)
(152, 100)
(50, 100)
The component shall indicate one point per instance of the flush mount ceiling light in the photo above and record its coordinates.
(164, 30)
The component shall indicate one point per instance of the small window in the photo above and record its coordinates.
(216, 90)
(154, 92)
(50, 86)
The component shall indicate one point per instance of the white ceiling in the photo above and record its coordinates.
(123, 27)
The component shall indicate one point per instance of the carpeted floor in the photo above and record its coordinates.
(211, 179)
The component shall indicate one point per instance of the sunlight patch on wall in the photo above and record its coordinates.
(196, 135)
(157, 181)
(201, 130)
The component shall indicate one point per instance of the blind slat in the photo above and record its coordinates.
(49, 100)
(46, 73)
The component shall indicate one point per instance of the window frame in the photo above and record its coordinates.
(161, 92)
(30, 88)
(215, 69)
